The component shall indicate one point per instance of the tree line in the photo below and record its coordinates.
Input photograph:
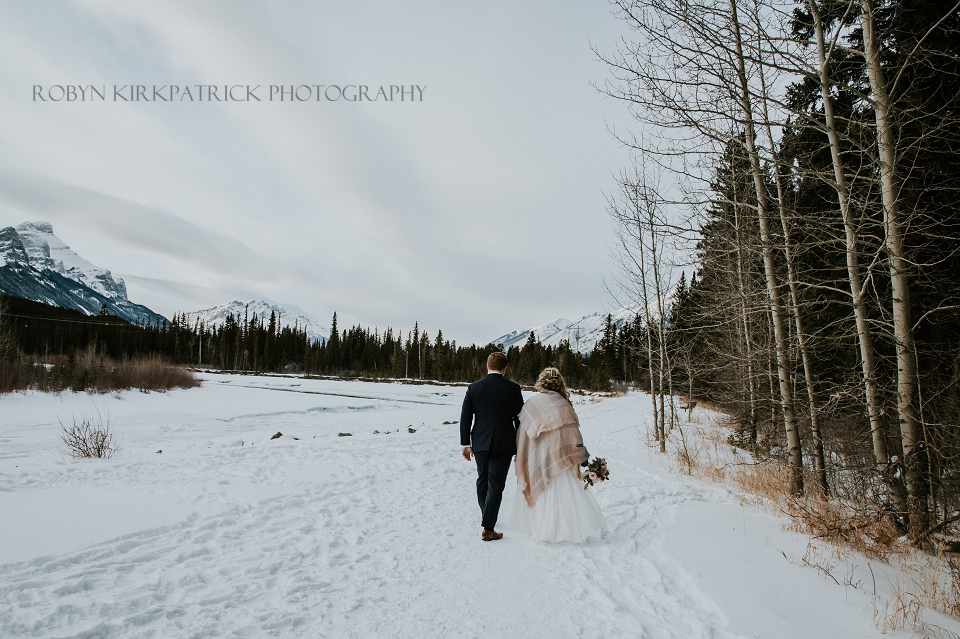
(802, 160)
(262, 344)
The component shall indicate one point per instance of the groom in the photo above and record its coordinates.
(491, 407)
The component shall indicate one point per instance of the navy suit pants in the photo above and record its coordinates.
(492, 471)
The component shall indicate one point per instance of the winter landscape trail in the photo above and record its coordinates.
(229, 533)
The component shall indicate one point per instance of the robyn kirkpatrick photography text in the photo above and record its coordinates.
(228, 93)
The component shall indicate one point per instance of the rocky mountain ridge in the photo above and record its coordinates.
(582, 333)
(215, 316)
(36, 265)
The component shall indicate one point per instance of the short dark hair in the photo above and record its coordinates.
(496, 361)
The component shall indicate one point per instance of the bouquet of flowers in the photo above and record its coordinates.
(596, 472)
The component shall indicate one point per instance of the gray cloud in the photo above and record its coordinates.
(130, 223)
(199, 295)
(476, 211)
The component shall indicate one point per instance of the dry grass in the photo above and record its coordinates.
(904, 587)
(922, 582)
(764, 480)
(149, 373)
(704, 453)
(91, 371)
(864, 530)
(848, 530)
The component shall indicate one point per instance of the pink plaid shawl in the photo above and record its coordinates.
(548, 442)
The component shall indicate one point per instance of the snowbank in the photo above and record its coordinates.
(228, 532)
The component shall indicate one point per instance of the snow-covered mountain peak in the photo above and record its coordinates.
(12, 250)
(541, 332)
(215, 316)
(39, 227)
(48, 252)
(36, 265)
(583, 333)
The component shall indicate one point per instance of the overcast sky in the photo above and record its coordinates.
(478, 210)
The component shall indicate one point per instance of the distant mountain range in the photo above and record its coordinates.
(215, 316)
(583, 333)
(36, 265)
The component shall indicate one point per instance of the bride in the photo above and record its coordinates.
(551, 504)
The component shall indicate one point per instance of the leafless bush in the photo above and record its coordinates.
(703, 453)
(8, 339)
(860, 526)
(89, 436)
(150, 373)
(92, 371)
(13, 377)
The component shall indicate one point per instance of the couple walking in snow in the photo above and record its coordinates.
(544, 434)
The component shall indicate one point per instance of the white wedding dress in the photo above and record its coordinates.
(564, 511)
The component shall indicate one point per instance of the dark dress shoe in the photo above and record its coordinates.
(490, 535)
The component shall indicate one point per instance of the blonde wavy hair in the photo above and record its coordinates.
(551, 380)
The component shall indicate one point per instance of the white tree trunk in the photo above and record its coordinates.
(819, 465)
(794, 451)
(864, 336)
(911, 430)
(745, 322)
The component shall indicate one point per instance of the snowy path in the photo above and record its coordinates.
(324, 536)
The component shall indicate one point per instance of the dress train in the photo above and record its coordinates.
(564, 511)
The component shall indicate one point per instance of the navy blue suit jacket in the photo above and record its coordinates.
(488, 421)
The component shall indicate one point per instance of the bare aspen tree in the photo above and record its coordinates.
(794, 449)
(812, 145)
(631, 213)
(745, 323)
(819, 465)
(694, 74)
(911, 431)
(656, 255)
(854, 276)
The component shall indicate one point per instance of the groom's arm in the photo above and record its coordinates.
(517, 407)
(466, 419)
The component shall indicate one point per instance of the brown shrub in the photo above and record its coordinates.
(15, 377)
(150, 373)
(92, 371)
(863, 529)
(700, 452)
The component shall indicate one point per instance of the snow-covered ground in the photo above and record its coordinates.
(229, 533)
